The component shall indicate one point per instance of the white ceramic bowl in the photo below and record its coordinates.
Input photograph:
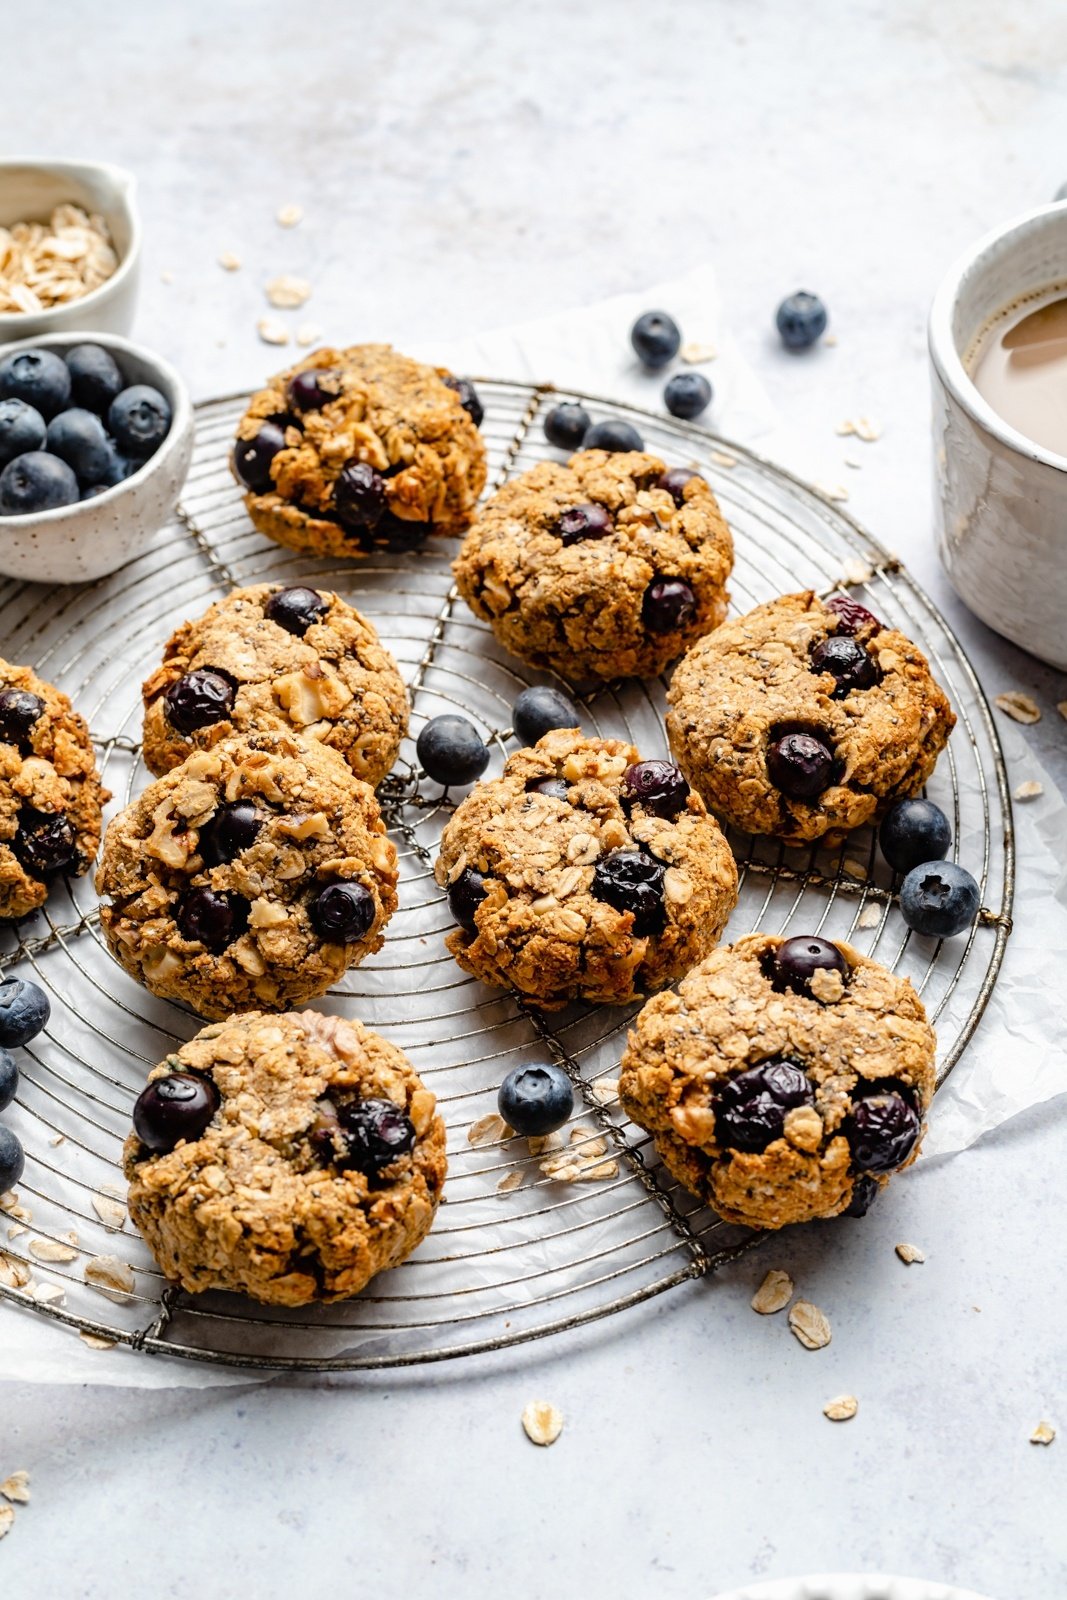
(845, 1586)
(29, 192)
(73, 544)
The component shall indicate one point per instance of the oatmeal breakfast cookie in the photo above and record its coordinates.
(803, 718)
(50, 791)
(357, 449)
(255, 873)
(785, 1080)
(606, 567)
(268, 656)
(584, 873)
(294, 1158)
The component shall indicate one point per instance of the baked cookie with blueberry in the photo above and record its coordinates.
(606, 567)
(360, 449)
(51, 796)
(584, 873)
(252, 875)
(806, 718)
(287, 1158)
(785, 1080)
(293, 658)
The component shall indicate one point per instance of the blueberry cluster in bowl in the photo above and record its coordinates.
(71, 427)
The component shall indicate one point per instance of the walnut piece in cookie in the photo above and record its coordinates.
(294, 658)
(606, 567)
(775, 1094)
(312, 1159)
(358, 449)
(804, 719)
(254, 874)
(583, 873)
(51, 796)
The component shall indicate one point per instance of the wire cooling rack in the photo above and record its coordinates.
(516, 1253)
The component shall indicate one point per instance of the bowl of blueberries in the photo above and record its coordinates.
(96, 435)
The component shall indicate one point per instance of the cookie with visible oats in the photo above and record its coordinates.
(584, 873)
(785, 1080)
(322, 1163)
(253, 874)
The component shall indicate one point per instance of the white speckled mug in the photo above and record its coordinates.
(1001, 498)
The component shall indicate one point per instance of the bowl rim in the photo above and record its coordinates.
(180, 422)
(126, 183)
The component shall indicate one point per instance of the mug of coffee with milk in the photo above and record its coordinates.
(998, 346)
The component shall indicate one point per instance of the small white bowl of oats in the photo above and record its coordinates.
(70, 248)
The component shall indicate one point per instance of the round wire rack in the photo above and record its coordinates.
(516, 1253)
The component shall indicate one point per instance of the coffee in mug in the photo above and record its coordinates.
(1019, 365)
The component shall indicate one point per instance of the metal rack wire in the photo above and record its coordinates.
(502, 1265)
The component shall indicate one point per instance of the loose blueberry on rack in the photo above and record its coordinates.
(656, 338)
(39, 377)
(750, 1109)
(852, 616)
(12, 1160)
(252, 457)
(939, 898)
(9, 1079)
(687, 394)
(539, 709)
(35, 482)
(211, 917)
(801, 319)
(800, 765)
(578, 523)
(566, 426)
(865, 1192)
(359, 496)
(465, 896)
(44, 843)
(138, 420)
(468, 398)
(296, 609)
(24, 1011)
(883, 1128)
(175, 1108)
(632, 881)
(614, 435)
(536, 1100)
(451, 750)
(19, 711)
(847, 661)
(342, 912)
(375, 1134)
(21, 429)
(657, 786)
(796, 961)
(95, 379)
(199, 699)
(554, 788)
(674, 481)
(233, 828)
(668, 604)
(310, 391)
(77, 437)
(913, 832)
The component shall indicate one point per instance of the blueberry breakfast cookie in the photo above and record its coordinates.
(607, 567)
(50, 791)
(785, 1080)
(360, 449)
(584, 873)
(804, 718)
(293, 658)
(253, 874)
(287, 1158)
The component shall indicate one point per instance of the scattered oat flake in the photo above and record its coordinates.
(49, 1293)
(842, 1408)
(850, 461)
(540, 1144)
(52, 1250)
(16, 1230)
(693, 352)
(1061, 707)
(166, 277)
(832, 491)
(289, 216)
(910, 1254)
(57, 1139)
(860, 428)
(869, 917)
(1029, 790)
(857, 571)
(774, 1293)
(272, 331)
(111, 1212)
(829, 338)
(598, 1171)
(287, 293)
(542, 1422)
(14, 1274)
(229, 262)
(605, 1091)
(17, 1487)
(510, 1180)
(487, 1130)
(95, 1342)
(722, 459)
(1044, 1433)
(855, 869)
(590, 1141)
(811, 1326)
(308, 333)
(7, 1518)
(110, 1276)
(8, 1199)
(1020, 707)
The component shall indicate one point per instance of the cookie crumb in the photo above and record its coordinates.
(542, 1422)
(870, 916)
(774, 1293)
(17, 1487)
(811, 1326)
(229, 262)
(910, 1254)
(1028, 790)
(272, 331)
(827, 985)
(842, 1408)
(693, 353)
(1044, 1433)
(1020, 707)
(288, 216)
(287, 293)
(487, 1130)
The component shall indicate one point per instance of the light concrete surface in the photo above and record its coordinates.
(461, 166)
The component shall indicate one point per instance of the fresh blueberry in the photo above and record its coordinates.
(95, 379)
(296, 609)
(19, 712)
(796, 961)
(668, 604)
(465, 896)
(451, 750)
(865, 1192)
(311, 390)
(883, 1128)
(252, 457)
(359, 496)
(468, 398)
(536, 1100)
(578, 523)
(202, 697)
(374, 1133)
(687, 394)
(34, 482)
(138, 420)
(211, 917)
(45, 843)
(37, 376)
(175, 1108)
(229, 831)
(22, 429)
(939, 898)
(800, 765)
(674, 481)
(9, 1079)
(656, 786)
(554, 788)
(342, 912)
(852, 615)
(613, 435)
(94, 489)
(801, 319)
(656, 338)
(566, 426)
(78, 438)
(632, 881)
(24, 1011)
(12, 1160)
(912, 832)
(847, 661)
(117, 469)
(538, 710)
(751, 1108)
